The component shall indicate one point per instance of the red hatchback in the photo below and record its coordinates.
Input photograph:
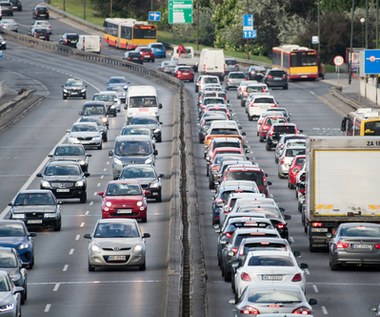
(124, 199)
(295, 167)
(184, 73)
(146, 52)
(267, 123)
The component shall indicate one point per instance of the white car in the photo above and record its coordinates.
(117, 242)
(272, 266)
(285, 138)
(9, 24)
(259, 104)
(41, 24)
(256, 88)
(204, 80)
(86, 133)
(286, 157)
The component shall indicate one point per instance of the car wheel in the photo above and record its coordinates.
(227, 276)
(83, 197)
(100, 146)
(105, 138)
(31, 264)
(250, 118)
(334, 266)
(64, 97)
(58, 226)
(91, 268)
(142, 267)
(144, 219)
(242, 103)
(84, 96)
(267, 147)
(299, 207)
(159, 139)
(24, 294)
(211, 184)
(196, 88)
(286, 87)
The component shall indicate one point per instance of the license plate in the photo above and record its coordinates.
(319, 229)
(63, 190)
(35, 221)
(124, 211)
(272, 277)
(116, 258)
(362, 246)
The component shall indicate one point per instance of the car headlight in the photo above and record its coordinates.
(18, 216)
(45, 184)
(137, 248)
(156, 131)
(97, 138)
(82, 162)
(113, 106)
(6, 307)
(104, 119)
(154, 184)
(83, 90)
(79, 183)
(72, 139)
(65, 90)
(108, 204)
(23, 246)
(50, 215)
(117, 161)
(95, 248)
(139, 203)
(148, 160)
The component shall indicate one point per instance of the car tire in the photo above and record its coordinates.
(267, 147)
(250, 118)
(333, 265)
(31, 264)
(91, 268)
(58, 226)
(242, 103)
(144, 219)
(100, 146)
(159, 140)
(84, 96)
(24, 294)
(286, 87)
(211, 184)
(64, 97)
(227, 276)
(83, 198)
(142, 267)
(105, 138)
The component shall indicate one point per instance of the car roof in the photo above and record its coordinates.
(124, 181)
(89, 123)
(134, 137)
(270, 252)
(36, 191)
(94, 103)
(118, 220)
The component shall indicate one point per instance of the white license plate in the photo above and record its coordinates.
(63, 190)
(271, 277)
(35, 221)
(319, 230)
(124, 211)
(116, 258)
(362, 246)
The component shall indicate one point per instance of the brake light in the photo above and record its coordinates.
(317, 224)
(270, 76)
(229, 235)
(302, 311)
(282, 161)
(218, 201)
(204, 67)
(249, 310)
(280, 226)
(263, 89)
(342, 245)
(245, 277)
(377, 246)
(297, 278)
(234, 250)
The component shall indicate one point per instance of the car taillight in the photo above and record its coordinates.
(280, 226)
(342, 245)
(215, 168)
(282, 161)
(270, 76)
(302, 311)
(229, 235)
(245, 277)
(297, 278)
(249, 310)
(317, 224)
(234, 250)
(377, 246)
(296, 170)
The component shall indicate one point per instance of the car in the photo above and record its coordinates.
(14, 234)
(40, 12)
(256, 72)
(65, 179)
(71, 152)
(269, 267)
(146, 52)
(231, 65)
(86, 133)
(41, 34)
(6, 8)
(222, 142)
(211, 164)
(242, 87)
(41, 24)
(207, 101)
(253, 88)
(116, 242)
(159, 49)
(146, 175)
(226, 128)
(273, 298)
(284, 112)
(203, 80)
(16, 5)
(233, 79)
(133, 56)
(9, 24)
(10, 296)
(118, 81)
(149, 121)
(69, 39)
(129, 149)
(184, 72)
(3, 43)
(11, 263)
(124, 198)
(120, 92)
(212, 93)
(355, 243)
(167, 67)
(286, 158)
(286, 140)
(74, 88)
(111, 100)
(276, 78)
(267, 123)
(278, 129)
(38, 208)
(101, 125)
(206, 120)
(258, 104)
(296, 165)
(95, 109)
(265, 114)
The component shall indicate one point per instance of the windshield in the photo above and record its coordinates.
(143, 120)
(138, 148)
(116, 230)
(94, 110)
(116, 189)
(139, 102)
(7, 260)
(69, 151)
(12, 230)
(84, 128)
(275, 296)
(257, 177)
(103, 98)
(142, 172)
(34, 199)
(72, 170)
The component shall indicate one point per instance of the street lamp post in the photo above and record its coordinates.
(351, 44)
(319, 27)
(362, 20)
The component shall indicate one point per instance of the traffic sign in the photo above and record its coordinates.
(248, 22)
(180, 11)
(338, 60)
(154, 16)
(249, 34)
(371, 62)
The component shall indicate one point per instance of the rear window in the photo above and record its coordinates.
(255, 176)
(72, 37)
(236, 75)
(294, 152)
(285, 129)
(225, 131)
(264, 100)
(269, 261)
(146, 50)
(230, 62)
(277, 73)
(209, 80)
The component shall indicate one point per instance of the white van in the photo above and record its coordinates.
(211, 62)
(89, 43)
(141, 100)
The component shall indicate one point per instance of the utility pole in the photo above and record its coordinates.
(198, 26)
(64, 5)
(247, 44)
(351, 44)
(366, 23)
(319, 27)
(111, 8)
(84, 9)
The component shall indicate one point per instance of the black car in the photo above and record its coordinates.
(135, 57)
(65, 179)
(16, 5)
(69, 39)
(74, 88)
(151, 122)
(276, 78)
(37, 208)
(40, 12)
(147, 177)
(71, 152)
(41, 34)
(102, 126)
(256, 72)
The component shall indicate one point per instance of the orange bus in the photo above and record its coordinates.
(362, 122)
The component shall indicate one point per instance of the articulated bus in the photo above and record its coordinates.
(362, 122)
(128, 33)
(299, 62)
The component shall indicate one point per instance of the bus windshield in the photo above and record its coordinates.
(303, 59)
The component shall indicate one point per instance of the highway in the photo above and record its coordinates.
(60, 284)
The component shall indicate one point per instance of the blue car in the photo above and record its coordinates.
(159, 50)
(14, 234)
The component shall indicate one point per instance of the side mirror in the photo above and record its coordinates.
(232, 301)
(10, 204)
(87, 236)
(269, 183)
(146, 235)
(313, 301)
(101, 194)
(18, 289)
(243, 133)
(50, 155)
(68, 131)
(303, 266)
(86, 174)
(282, 209)
(39, 175)
(161, 175)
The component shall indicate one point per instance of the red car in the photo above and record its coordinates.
(124, 199)
(267, 123)
(146, 52)
(295, 167)
(184, 73)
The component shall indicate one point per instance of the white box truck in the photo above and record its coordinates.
(211, 62)
(342, 185)
(89, 43)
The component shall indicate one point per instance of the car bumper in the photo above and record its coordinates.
(71, 193)
(125, 213)
(357, 258)
(103, 259)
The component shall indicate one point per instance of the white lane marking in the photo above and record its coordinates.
(56, 287)
(102, 176)
(291, 240)
(99, 184)
(91, 203)
(71, 252)
(97, 282)
(104, 169)
(87, 212)
(65, 268)
(95, 193)
(307, 271)
(315, 288)
(82, 225)
(47, 307)
(324, 310)
(108, 162)
(77, 237)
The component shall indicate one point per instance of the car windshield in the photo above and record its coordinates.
(264, 100)
(74, 83)
(274, 296)
(236, 75)
(137, 148)
(361, 231)
(67, 170)
(133, 172)
(34, 199)
(69, 151)
(135, 131)
(143, 120)
(254, 89)
(93, 110)
(7, 260)
(103, 97)
(140, 102)
(210, 80)
(4, 285)
(84, 128)
(270, 261)
(230, 62)
(223, 131)
(117, 81)
(116, 230)
(116, 189)
(12, 230)
(255, 176)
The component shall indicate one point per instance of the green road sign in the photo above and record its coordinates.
(180, 11)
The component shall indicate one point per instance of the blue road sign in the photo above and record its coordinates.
(371, 62)
(154, 16)
(250, 34)
(248, 22)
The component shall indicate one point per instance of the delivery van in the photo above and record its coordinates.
(89, 43)
(211, 62)
(141, 100)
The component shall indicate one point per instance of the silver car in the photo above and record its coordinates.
(355, 243)
(86, 133)
(117, 242)
(233, 79)
(10, 296)
(9, 24)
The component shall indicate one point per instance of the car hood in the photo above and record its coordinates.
(11, 241)
(73, 88)
(138, 159)
(10, 270)
(6, 298)
(117, 242)
(84, 134)
(40, 208)
(69, 158)
(60, 178)
(121, 199)
(146, 181)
